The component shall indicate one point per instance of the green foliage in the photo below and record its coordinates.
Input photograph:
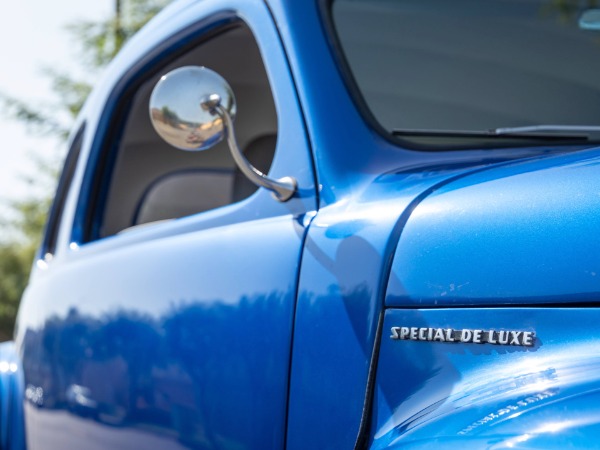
(72, 93)
(98, 43)
(101, 41)
(20, 234)
(21, 238)
(14, 267)
(37, 120)
(568, 9)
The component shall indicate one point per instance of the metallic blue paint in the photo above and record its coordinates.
(487, 396)
(12, 435)
(180, 349)
(368, 188)
(525, 232)
(258, 325)
(342, 280)
(179, 334)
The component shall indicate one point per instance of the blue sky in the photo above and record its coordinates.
(32, 37)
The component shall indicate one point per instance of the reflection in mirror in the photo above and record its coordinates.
(175, 109)
(192, 108)
(590, 20)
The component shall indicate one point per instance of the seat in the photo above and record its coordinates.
(191, 191)
(183, 193)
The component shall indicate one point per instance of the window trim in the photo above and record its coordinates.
(56, 213)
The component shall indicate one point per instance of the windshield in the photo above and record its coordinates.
(438, 71)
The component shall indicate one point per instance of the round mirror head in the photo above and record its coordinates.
(176, 110)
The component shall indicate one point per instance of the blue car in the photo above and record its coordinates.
(324, 224)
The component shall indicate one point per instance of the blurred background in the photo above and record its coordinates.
(52, 53)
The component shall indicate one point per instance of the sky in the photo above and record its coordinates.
(33, 37)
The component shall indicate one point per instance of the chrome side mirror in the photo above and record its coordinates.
(192, 108)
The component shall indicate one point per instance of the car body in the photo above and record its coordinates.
(406, 296)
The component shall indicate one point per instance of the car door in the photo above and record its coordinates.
(160, 312)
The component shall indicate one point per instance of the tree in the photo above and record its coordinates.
(16, 256)
(99, 42)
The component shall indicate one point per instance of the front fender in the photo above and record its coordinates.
(435, 393)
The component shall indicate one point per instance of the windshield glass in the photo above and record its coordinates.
(439, 71)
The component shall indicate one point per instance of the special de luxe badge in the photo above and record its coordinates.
(465, 335)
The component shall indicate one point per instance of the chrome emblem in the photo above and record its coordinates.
(465, 336)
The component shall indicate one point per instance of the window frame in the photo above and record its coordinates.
(170, 39)
(104, 149)
(56, 213)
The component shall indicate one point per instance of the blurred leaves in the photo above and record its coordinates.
(101, 41)
(567, 11)
(20, 232)
(97, 43)
(19, 241)
(15, 260)
(36, 120)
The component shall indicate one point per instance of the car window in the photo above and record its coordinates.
(460, 69)
(148, 181)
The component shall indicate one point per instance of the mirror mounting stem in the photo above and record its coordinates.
(283, 188)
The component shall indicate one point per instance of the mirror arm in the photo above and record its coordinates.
(283, 188)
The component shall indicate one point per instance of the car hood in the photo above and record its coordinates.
(519, 232)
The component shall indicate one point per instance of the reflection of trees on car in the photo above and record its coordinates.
(568, 9)
(165, 371)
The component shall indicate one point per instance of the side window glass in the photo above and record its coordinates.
(148, 181)
(56, 212)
